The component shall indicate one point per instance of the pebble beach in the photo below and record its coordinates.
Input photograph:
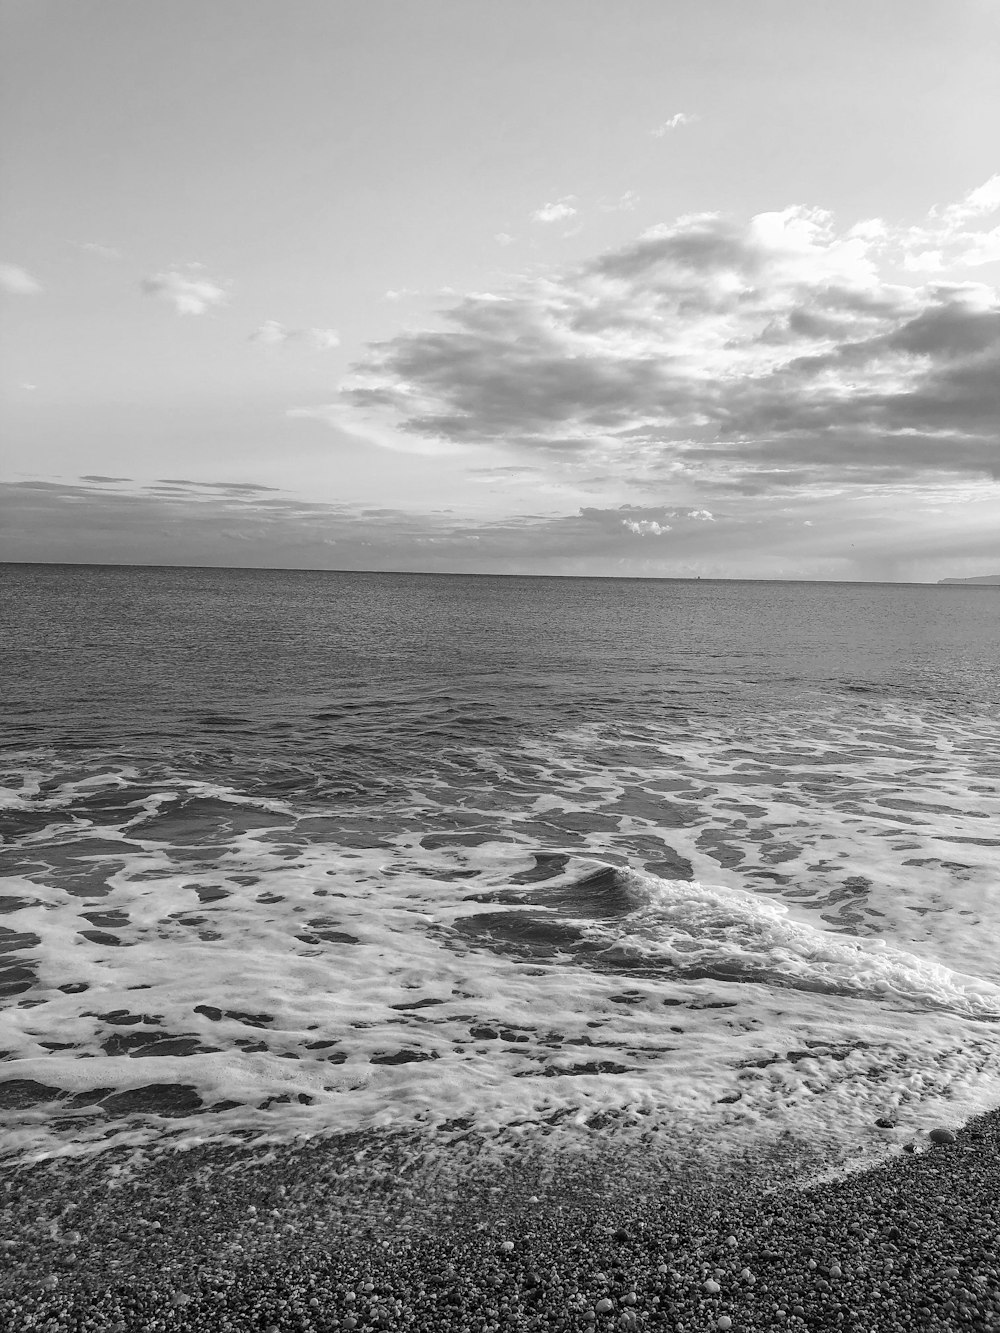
(373, 1231)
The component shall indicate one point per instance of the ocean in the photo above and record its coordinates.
(298, 853)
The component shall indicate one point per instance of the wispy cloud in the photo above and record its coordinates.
(101, 251)
(623, 204)
(189, 291)
(17, 281)
(674, 122)
(557, 211)
(774, 354)
(273, 334)
(232, 522)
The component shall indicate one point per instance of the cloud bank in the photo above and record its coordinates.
(176, 520)
(776, 355)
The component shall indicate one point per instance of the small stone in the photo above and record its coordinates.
(941, 1135)
(732, 1242)
(836, 1270)
(723, 1322)
(507, 1246)
(712, 1287)
(605, 1305)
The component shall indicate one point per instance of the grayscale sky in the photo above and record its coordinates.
(648, 287)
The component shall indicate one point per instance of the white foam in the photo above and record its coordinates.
(859, 936)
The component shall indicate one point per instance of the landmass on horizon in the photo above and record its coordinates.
(488, 573)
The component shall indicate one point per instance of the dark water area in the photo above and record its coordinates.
(267, 660)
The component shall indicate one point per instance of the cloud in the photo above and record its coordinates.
(556, 211)
(190, 293)
(645, 527)
(623, 204)
(951, 235)
(678, 119)
(270, 333)
(232, 522)
(342, 417)
(503, 238)
(779, 353)
(273, 334)
(323, 339)
(18, 281)
(101, 251)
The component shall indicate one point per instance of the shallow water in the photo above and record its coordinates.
(307, 852)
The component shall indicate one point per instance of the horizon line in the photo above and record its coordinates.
(499, 574)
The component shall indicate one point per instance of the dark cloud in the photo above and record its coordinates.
(715, 352)
(237, 487)
(97, 477)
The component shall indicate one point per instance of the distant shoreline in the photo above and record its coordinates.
(493, 574)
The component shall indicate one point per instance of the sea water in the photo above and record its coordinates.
(292, 853)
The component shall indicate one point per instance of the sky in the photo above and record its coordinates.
(699, 288)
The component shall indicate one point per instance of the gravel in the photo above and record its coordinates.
(384, 1231)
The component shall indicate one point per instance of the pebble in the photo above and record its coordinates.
(942, 1135)
(917, 1238)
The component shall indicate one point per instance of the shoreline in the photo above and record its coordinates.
(371, 1230)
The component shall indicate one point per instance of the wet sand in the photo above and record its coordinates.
(371, 1231)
